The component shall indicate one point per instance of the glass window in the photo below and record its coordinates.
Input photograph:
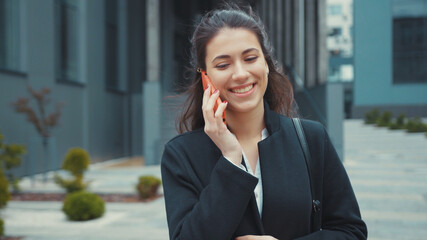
(111, 16)
(335, 9)
(10, 35)
(67, 40)
(409, 41)
(336, 31)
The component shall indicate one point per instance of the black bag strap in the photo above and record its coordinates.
(315, 215)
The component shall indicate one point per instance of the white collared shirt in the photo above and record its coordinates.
(258, 189)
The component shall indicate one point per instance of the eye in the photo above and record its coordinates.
(251, 59)
(221, 66)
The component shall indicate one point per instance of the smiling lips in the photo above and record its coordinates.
(243, 89)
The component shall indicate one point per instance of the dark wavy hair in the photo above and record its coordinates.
(279, 94)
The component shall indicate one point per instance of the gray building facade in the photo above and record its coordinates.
(390, 57)
(81, 51)
(118, 66)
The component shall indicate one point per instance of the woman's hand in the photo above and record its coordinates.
(217, 130)
(253, 237)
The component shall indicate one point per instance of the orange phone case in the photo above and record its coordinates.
(205, 82)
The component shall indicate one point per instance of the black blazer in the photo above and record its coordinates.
(207, 197)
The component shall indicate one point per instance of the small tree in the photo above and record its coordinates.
(76, 162)
(42, 122)
(10, 157)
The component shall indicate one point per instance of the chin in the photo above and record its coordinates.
(245, 107)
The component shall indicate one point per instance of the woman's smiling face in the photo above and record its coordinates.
(236, 66)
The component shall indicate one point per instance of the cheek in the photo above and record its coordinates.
(219, 81)
(264, 83)
(261, 69)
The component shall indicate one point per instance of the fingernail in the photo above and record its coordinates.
(215, 91)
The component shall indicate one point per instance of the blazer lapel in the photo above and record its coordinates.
(273, 164)
(284, 178)
(286, 191)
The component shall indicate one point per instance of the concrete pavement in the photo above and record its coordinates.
(46, 221)
(388, 170)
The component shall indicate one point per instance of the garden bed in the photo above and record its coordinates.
(129, 198)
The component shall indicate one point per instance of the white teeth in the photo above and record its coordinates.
(243, 90)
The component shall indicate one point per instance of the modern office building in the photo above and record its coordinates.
(339, 18)
(117, 67)
(340, 40)
(390, 56)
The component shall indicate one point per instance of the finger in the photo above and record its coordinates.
(206, 95)
(212, 100)
(208, 111)
(219, 112)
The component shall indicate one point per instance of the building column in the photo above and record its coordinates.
(334, 101)
(151, 91)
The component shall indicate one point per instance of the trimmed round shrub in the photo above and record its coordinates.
(70, 185)
(4, 191)
(82, 206)
(372, 116)
(399, 123)
(1, 227)
(385, 119)
(416, 125)
(76, 161)
(147, 186)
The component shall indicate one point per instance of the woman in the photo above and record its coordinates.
(247, 179)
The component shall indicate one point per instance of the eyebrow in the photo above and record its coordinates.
(228, 56)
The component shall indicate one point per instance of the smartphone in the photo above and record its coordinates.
(205, 82)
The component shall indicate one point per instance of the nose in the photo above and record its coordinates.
(239, 73)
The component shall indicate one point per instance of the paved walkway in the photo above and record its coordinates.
(46, 221)
(388, 170)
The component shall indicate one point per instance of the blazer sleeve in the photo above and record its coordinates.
(197, 211)
(339, 208)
